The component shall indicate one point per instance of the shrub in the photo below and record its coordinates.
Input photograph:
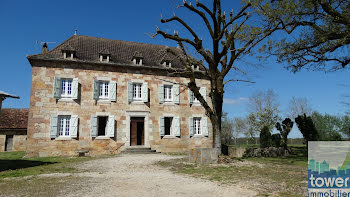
(265, 137)
(276, 140)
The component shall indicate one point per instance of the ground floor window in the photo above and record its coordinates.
(64, 126)
(102, 125)
(168, 125)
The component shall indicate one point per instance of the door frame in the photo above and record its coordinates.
(137, 114)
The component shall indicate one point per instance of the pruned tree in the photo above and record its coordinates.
(307, 128)
(319, 33)
(231, 37)
(284, 129)
(298, 106)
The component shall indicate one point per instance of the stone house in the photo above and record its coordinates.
(13, 129)
(106, 96)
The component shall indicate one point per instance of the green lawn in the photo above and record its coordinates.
(284, 176)
(12, 164)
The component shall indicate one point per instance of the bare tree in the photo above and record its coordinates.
(239, 127)
(232, 36)
(298, 106)
(263, 107)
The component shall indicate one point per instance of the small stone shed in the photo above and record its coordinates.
(13, 129)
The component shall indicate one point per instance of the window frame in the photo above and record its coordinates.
(197, 127)
(65, 82)
(106, 126)
(195, 99)
(168, 93)
(137, 92)
(63, 119)
(102, 90)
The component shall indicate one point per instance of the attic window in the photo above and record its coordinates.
(195, 67)
(167, 64)
(68, 55)
(104, 58)
(137, 60)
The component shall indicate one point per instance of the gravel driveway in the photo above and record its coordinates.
(138, 175)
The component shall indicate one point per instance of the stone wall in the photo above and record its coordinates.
(43, 105)
(2, 143)
(19, 142)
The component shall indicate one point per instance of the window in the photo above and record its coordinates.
(197, 126)
(168, 93)
(137, 61)
(66, 90)
(195, 100)
(195, 67)
(137, 92)
(68, 55)
(64, 126)
(104, 58)
(102, 125)
(168, 121)
(167, 64)
(104, 94)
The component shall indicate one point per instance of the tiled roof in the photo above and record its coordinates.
(13, 118)
(122, 52)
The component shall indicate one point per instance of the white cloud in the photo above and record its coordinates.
(235, 101)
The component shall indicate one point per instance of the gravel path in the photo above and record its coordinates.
(137, 175)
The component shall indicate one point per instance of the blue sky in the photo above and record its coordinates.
(22, 23)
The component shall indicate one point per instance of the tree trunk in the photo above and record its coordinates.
(217, 100)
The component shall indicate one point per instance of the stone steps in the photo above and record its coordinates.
(139, 150)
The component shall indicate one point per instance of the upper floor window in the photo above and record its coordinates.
(195, 99)
(195, 67)
(168, 93)
(66, 88)
(137, 92)
(68, 54)
(104, 90)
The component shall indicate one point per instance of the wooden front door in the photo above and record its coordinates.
(137, 131)
(8, 142)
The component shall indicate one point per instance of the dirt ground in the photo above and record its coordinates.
(138, 175)
(124, 175)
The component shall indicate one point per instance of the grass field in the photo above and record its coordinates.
(12, 164)
(284, 176)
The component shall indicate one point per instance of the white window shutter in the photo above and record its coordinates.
(95, 93)
(145, 92)
(161, 93)
(74, 126)
(204, 121)
(130, 92)
(190, 96)
(203, 91)
(75, 88)
(176, 94)
(113, 90)
(190, 126)
(53, 126)
(111, 126)
(57, 88)
(93, 126)
(161, 126)
(176, 126)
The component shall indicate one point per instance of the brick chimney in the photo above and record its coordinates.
(44, 49)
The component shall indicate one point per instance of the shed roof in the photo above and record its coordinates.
(13, 118)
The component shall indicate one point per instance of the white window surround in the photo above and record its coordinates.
(168, 93)
(167, 64)
(68, 55)
(66, 88)
(137, 60)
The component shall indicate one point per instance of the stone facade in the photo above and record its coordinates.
(2, 143)
(43, 105)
